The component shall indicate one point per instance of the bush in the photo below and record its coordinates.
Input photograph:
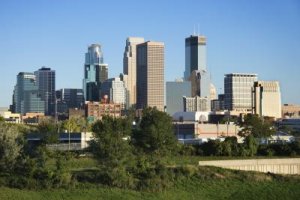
(155, 178)
(187, 150)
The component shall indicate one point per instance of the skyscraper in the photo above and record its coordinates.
(45, 79)
(195, 55)
(196, 68)
(238, 91)
(95, 73)
(26, 95)
(129, 68)
(195, 104)
(175, 90)
(115, 90)
(150, 75)
(71, 96)
(267, 99)
(200, 82)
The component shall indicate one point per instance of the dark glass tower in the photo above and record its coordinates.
(26, 95)
(95, 73)
(72, 97)
(45, 78)
(195, 54)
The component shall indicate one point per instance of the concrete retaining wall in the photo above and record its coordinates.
(277, 166)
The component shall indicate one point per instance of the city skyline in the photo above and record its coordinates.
(242, 37)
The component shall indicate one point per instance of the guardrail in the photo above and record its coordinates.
(65, 147)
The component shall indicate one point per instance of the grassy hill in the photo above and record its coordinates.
(206, 183)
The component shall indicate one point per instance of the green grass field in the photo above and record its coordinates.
(189, 189)
(212, 183)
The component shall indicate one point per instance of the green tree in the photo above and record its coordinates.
(113, 151)
(250, 145)
(256, 126)
(48, 131)
(10, 146)
(230, 146)
(155, 133)
(75, 124)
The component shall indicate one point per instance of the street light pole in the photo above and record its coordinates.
(69, 136)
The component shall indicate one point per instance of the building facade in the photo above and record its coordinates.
(68, 98)
(175, 90)
(10, 117)
(150, 75)
(193, 104)
(45, 79)
(266, 99)
(115, 90)
(238, 92)
(26, 95)
(130, 68)
(196, 69)
(290, 110)
(73, 97)
(200, 81)
(196, 130)
(195, 55)
(218, 104)
(96, 110)
(95, 73)
(213, 92)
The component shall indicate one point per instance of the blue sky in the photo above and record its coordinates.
(258, 36)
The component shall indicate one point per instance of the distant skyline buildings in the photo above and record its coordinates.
(26, 98)
(144, 63)
(95, 73)
(150, 75)
(238, 91)
(196, 70)
(196, 104)
(175, 90)
(45, 80)
(195, 55)
(266, 99)
(115, 90)
(73, 97)
(130, 68)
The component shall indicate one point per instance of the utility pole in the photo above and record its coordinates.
(69, 135)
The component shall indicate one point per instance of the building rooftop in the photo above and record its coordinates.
(241, 74)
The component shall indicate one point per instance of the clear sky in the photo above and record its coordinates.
(257, 36)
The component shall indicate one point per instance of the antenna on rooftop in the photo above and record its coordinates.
(197, 29)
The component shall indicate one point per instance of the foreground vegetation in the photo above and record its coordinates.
(205, 183)
(141, 162)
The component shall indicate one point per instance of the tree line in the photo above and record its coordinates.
(127, 156)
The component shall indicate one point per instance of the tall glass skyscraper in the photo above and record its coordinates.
(26, 95)
(45, 78)
(196, 67)
(95, 73)
(195, 55)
